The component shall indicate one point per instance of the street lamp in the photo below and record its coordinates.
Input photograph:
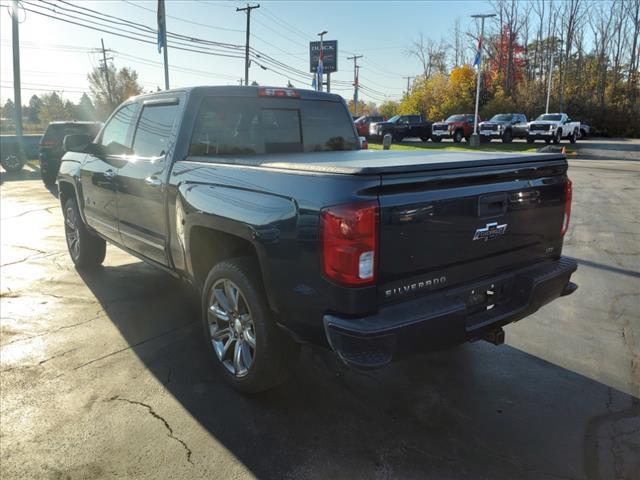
(319, 71)
(475, 139)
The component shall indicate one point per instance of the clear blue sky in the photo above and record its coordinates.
(57, 55)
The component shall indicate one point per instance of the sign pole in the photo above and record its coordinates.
(475, 139)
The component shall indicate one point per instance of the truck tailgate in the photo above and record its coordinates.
(442, 228)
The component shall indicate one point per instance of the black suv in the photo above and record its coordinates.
(51, 148)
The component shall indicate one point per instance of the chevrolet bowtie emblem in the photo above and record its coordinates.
(490, 231)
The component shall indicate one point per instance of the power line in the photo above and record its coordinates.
(213, 27)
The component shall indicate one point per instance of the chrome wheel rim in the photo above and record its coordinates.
(72, 232)
(231, 327)
(12, 162)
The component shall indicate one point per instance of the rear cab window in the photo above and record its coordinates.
(249, 126)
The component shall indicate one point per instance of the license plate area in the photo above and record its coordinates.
(488, 296)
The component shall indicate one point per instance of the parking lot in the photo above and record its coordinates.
(105, 375)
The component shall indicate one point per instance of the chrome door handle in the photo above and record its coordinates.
(110, 174)
(153, 181)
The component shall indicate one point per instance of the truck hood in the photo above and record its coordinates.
(378, 162)
(544, 122)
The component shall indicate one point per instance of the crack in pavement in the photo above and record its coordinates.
(153, 413)
(47, 209)
(29, 257)
(64, 327)
(57, 355)
(129, 347)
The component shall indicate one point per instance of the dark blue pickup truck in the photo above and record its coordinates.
(263, 200)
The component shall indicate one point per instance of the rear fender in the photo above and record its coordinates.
(261, 219)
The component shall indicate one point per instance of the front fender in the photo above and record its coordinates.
(69, 173)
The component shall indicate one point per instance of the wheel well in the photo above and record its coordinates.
(65, 192)
(208, 247)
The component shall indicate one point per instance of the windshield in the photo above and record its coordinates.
(394, 118)
(455, 118)
(245, 126)
(503, 117)
(550, 118)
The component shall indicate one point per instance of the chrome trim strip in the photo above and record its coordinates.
(143, 240)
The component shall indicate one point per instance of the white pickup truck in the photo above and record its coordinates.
(553, 126)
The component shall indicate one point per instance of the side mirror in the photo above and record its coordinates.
(76, 142)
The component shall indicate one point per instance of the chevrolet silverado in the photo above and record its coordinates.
(262, 199)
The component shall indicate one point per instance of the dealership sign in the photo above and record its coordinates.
(329, 57)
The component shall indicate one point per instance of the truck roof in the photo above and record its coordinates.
(243, 91)
(371, 162)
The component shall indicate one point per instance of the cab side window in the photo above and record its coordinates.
(154, 130)
(115, 135)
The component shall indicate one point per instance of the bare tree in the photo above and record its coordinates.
(572, 15)
(432, 55)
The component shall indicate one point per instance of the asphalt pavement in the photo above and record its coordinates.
(105, 375)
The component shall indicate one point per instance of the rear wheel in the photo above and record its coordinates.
(86, 249)
(547, 141)
(424, 139)
(458, 136)
(397, 138)
(436, 139)
(573, 137)
(48, 172)
(246, 345)
(530, 139)
(583, 133)
(507, 136)
(12, 163)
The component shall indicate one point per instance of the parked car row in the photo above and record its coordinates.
(550, 127)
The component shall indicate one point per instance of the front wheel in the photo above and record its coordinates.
(530, 139)
(557, 138)
(246, 345)
(12, 163)
(424, 139)
(458, 136)
(86, 249)
(436, 139)
(507, 137)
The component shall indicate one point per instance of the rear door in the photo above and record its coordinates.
(443, 229)
(141, 179)
(100, 169)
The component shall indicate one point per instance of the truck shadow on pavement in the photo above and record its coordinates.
(476, 411)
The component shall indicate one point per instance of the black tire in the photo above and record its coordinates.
(484, 139)
(397, 138)
(436, 139)
(274, 352)
(530, 139)
(424, 139)
(458, 135)
(507, 136)
(573, 137)
(48, 172)
(583, 134)
(12, 163)
(547, 141)
(87, 250)
(557, 138)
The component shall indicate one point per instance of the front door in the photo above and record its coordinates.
(141, 180)
(100, 170)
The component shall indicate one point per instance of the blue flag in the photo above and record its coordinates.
(162, 27)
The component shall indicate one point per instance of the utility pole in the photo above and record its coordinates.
(105, 70)
(17, 94)
(408, 83)
(162, 30)
(355, 82)
(320, 59)
(475, 139)
(247, 9)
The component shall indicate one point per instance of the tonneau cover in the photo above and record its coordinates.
(376, 162)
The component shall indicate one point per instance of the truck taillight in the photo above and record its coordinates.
(568, 194)
(278, 92)
(350, 243)
(48, 143)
